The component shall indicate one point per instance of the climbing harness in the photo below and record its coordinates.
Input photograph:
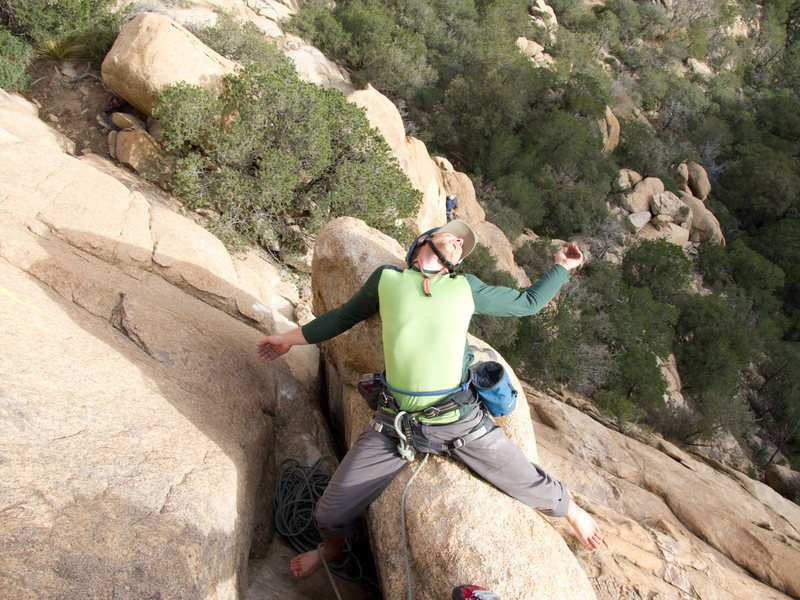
(409, 432)
(487, 381)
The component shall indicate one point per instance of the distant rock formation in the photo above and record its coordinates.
(651, 212)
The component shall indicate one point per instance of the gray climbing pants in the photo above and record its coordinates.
(372, 462)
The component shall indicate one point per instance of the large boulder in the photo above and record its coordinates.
(698, 181)
(705, 226)
(610, 130)
(671, 232)
(139, 432)
(783, 480)
(312, 65)
(151, 52)
(673, 209)
(628, 178)
(543, 16)
(460, 185)
(639, 199)
(450, 540)
(491, 236)
(411, 154)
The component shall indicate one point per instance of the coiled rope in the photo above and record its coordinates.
(297, 491)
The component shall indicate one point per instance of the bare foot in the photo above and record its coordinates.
(585, 527)
(304, 565)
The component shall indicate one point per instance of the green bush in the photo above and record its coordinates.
(636, 385)
(713, 347)
(658, 265)
(535, 257)
(271, 145)
(639, 321)
(14, 57)
(242, 42)
(67, 28)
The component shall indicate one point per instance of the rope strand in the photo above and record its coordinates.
(409, 584)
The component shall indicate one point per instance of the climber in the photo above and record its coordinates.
(426, 296)
(451, 204)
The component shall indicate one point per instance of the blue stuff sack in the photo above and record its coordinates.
(494, 388)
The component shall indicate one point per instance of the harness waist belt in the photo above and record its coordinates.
(423, 444)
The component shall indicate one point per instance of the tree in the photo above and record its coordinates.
(272, 145)
(780, 397)
(639, 321)
(637, 386)
(659, 265)
(712, 348)
(14, 57)
(755, 200)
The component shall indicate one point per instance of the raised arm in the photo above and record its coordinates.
(508, 302)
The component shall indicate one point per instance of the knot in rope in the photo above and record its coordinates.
(403, 448)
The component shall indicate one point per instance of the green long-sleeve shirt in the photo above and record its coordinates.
(425, 337)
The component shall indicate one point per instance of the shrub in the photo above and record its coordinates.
(272, 145)
(658, 265)
(86, 28)
(14, 57)
(636, 387)
(242, 42)
(713, 348)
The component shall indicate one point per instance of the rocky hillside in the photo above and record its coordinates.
(142, 436)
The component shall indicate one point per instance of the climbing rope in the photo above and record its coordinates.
(409, 584)
(297, 491)
(328, 571)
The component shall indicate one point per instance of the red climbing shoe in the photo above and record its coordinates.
(473, 592)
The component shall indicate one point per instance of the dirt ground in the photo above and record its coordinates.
(70, 97)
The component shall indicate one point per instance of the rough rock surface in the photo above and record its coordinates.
(311, 65)
(138, 428)
(676, 526)
(610, 130)
(491, 236)
(705, 226)
(639, 199)
(698, 180)
(669, 231)
(442, 553)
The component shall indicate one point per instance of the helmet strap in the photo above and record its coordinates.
(447, 264)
